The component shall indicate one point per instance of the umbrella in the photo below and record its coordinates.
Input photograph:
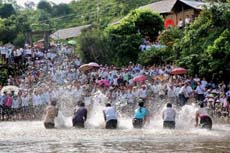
(85, 67)
(72, 42)
(93, 64)
(159, 77)
(9, 89)
(104, 82)
(169, 23)
(139, 78)
(179, 70)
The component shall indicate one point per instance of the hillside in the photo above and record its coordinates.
(15, 22)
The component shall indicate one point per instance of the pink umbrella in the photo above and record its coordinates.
(179, 70)
(139, 78)
(93, 64)
(103, 82)
(85, 67)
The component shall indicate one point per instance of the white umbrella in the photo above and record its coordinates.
(9, 89)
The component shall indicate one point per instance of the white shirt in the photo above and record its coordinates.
(171, 92)
(36, 100)
(169, 114)
(1, 100)
(199, 90)
(28, 52)
(143, 93)
(204, 83)
(15, 103)
(78, 62)
(45, 98)
(186, 91)
(187, 20)
(180, 23)
(110, 113)
(3, 51)
(130, 97)
(25, 101)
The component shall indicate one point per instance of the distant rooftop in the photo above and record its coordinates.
(68, 32)
(166, 6)
(163, 6)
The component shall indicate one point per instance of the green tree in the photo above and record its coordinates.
(219, 55)
(198, 47)
(157, 56)
(61, 10)
(94, 46)
(9, 31)
(168, 38)
(6, 10)
(126, 37)
(44, 5)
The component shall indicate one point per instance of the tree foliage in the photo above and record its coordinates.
(219, 54)
(126, 37)
(49, 16)
(204, 48)
(45, 6)
(6, 10)
(94, 46)
(157, 56)
(120, 42)
(61, 10)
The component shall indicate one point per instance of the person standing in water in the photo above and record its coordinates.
(51, 111)
(169, 116)
(140, 116)
(80, 116)
(202, 118)
(110, 117)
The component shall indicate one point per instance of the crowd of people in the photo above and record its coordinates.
(57, 74)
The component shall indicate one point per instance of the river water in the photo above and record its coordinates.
(31, 136)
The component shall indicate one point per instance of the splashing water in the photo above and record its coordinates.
(96, 118)
(184, 119)
(63, 122)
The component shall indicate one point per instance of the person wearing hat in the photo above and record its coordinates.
(169, 117)
(140, 115)
(51, 112)
(80, 116)
(202, 118)
(110, 117)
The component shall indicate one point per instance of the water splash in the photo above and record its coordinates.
(63, 122)
(96, 118)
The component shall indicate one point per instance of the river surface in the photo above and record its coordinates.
(31, 136)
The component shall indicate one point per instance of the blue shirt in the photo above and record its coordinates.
(140, 113)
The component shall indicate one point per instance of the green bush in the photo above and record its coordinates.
(155, 56)
(204, 47)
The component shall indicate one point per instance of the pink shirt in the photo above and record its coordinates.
(8, 101)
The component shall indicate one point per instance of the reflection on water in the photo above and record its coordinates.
(33, 137)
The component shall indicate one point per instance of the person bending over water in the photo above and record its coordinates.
(110, 117)
(51, 112)
(140, 116)
(169, 116)
(202, 118)
(80, 116)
